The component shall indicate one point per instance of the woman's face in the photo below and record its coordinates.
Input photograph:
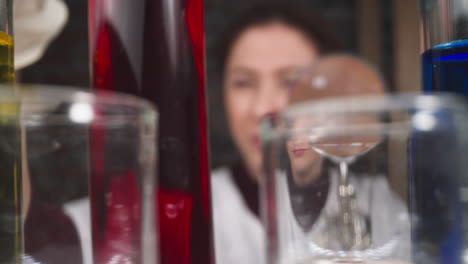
(262, 64)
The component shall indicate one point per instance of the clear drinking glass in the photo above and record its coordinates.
(345, 178)
(83, 168)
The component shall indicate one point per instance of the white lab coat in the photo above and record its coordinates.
(80, 213)
(239, 234)
(240, 238)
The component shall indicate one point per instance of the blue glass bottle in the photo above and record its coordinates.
(445, 68)
(436, 196)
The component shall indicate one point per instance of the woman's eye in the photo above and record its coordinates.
(290, 79)
(288, 83)
(242, 83)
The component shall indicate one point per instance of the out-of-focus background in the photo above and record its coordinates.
(386, 33)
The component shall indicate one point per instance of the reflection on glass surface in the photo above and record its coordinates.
(310, 150)
(70, 140)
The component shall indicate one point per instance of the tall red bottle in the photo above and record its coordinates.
(155, 49)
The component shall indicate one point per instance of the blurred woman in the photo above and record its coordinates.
(261, 58)
(261, 55)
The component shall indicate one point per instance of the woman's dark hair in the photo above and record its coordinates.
(291, 13)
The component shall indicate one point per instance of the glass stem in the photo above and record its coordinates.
(343, 173)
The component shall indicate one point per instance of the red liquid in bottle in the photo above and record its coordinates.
(155, 49)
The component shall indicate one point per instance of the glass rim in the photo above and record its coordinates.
(37, 100)
(375, 103)
(274, 127)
